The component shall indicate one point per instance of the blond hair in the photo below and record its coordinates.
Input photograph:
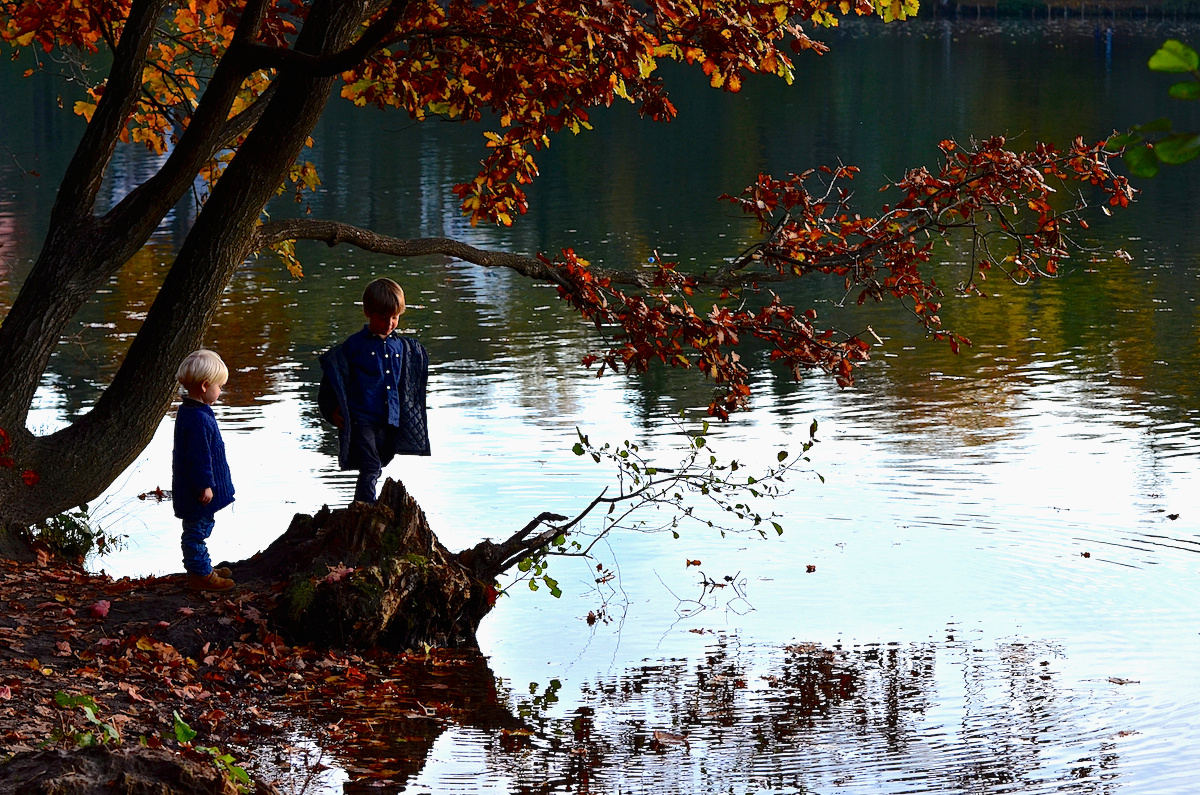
(383, 296)
(202, 367)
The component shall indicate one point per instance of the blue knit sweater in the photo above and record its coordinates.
(198, 462)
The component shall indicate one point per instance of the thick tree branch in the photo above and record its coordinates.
(333, 233)
(207, 132)
(300, 63)
(81, 182)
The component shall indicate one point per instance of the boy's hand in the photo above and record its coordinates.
(206, 497)
(337, 419)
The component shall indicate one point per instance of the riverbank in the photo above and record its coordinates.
(86, 660)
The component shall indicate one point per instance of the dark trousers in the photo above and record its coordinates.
(371, 449)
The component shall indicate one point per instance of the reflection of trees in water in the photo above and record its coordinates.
(809, 717)
(949, 718)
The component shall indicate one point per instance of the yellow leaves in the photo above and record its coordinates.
(672, 51)
(304, 175)
(85, 109)
(25, 39)
(286, 251)
(619, 88)
(356, 91)
(781, 13)
(646, 65)
(891, 10)
(153, 140)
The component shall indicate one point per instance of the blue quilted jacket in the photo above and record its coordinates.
(413, 438)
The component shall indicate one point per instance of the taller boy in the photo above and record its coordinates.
(373, 390)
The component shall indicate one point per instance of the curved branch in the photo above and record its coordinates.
(144, 207)
(242, 123)
(81, 182)
(375, 36)
(333, 233)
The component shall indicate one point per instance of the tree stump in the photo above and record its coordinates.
(371, 576)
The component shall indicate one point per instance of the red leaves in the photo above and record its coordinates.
(100, 609)
(28, 476)
(1005, 200)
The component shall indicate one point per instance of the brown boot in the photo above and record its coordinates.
(211, 582)
(224, 572)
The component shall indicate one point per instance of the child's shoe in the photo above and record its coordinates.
(211, 582)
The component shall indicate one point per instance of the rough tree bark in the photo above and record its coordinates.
(377, 576)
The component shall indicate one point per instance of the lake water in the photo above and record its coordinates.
(1005, 594)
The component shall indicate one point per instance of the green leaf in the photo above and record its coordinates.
(578, 449)
(183, 732)
(778, 528)
(1158, 125)
(1174, 56)
(1141, 161)
(782, 455)
(1186, 90)
(524, 565)
(1179, 148)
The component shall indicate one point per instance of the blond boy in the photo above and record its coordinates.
(200, 480)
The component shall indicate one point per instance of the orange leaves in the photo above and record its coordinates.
(55, 24)
(537, 68)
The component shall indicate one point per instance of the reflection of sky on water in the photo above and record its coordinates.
(925, 534)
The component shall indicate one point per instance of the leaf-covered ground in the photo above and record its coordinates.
(86, 659)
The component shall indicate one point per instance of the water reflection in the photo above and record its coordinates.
(939, 716)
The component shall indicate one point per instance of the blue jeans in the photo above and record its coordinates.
(195, 551)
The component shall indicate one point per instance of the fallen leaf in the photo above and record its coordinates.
(337, 574)
(132, 692)
(670, 737)
(100, 609)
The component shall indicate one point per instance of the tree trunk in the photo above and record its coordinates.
(43, 476)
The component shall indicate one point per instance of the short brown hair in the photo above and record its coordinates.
(383, 296)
